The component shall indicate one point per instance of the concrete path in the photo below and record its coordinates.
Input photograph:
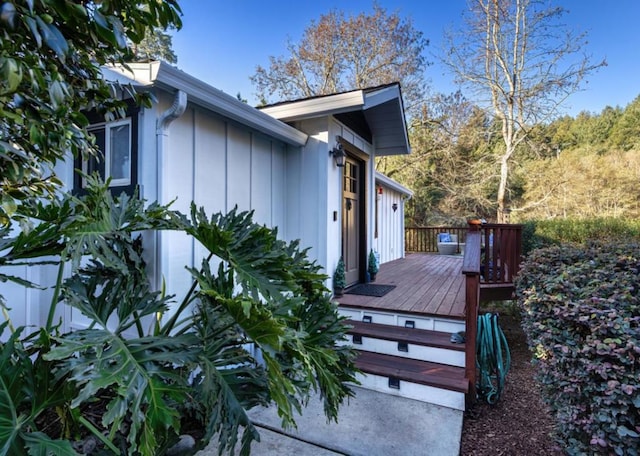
(371, 424)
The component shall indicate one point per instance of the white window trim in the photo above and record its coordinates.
(107, 152)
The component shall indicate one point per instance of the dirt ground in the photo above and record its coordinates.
(519, 424)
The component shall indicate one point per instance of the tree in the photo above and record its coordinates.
(341, 53)
(156, 45)
(449, 169)
(521, 62)
(51, 59)
(626, 131)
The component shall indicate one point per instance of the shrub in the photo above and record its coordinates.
(372, 263)
(581, 313)
(339, 280)
(545, 233)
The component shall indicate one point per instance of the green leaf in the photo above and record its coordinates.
(40, 444)
(33, 27)
(12, 72)
(140, 371)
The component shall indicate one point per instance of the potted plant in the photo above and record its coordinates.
(372, 267)
(339, 280)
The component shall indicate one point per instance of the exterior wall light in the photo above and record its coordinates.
(394, 206)
(339, 155)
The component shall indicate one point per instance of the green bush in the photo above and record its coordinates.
(544, 233)
(581, 312)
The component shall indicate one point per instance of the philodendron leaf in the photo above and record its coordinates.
(13, 364)
(139, 371)
(40, 444)
(10, 423)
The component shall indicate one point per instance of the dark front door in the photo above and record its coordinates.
(352, 219)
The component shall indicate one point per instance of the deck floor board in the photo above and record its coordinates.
(426, 284)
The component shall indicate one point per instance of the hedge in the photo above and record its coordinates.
(544, 233)
(581, 312)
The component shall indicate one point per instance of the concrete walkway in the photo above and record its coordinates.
(371, 424)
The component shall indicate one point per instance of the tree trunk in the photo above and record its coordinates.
(503, 212)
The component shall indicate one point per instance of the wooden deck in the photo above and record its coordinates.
(426, 284)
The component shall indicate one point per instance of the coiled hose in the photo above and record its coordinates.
(492, 358)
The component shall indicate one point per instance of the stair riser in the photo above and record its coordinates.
(420, 322)
(423, 393)
(433, 354)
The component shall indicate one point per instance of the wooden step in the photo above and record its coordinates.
(401, 334)
(419, 321)
(414, 371)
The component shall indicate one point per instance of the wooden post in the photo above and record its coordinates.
(471, 270)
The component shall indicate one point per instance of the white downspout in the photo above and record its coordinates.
(162, 135)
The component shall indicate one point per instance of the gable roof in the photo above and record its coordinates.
(171, 79)
(381, 108)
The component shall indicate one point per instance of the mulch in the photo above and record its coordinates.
(520, 423)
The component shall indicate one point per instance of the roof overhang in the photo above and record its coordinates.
(390, 183)
(381, 106)
(166, 77)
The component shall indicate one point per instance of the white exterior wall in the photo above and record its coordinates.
(314, 191)
(390, 240)
(334, 189)
(219, 165)
(308, 171)
(211, 160)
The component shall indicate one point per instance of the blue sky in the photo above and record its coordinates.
(221, 42)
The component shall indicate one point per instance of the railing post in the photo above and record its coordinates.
(471, 270)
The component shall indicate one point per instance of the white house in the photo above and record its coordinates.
(199, 144)
(337, 205)
(388, 235)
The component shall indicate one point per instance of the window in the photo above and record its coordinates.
(117, 142)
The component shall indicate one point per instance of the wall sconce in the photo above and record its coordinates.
(394, 206)
(338, 155)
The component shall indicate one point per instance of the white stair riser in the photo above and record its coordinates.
(420, 352)
(395, 319)
(423, 393)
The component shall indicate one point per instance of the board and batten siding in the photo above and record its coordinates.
(213, 161)
(219, 165)
(334, 191)
(314, 190)
(389, 236)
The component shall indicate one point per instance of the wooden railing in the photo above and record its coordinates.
(425, 238)
(500, 247)
(492, 256)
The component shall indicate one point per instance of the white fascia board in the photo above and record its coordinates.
(390, 183)
(381, 96)
(110, 74)
(167, 77)
(317, 107)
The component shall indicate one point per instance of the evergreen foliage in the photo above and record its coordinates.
(580, 310)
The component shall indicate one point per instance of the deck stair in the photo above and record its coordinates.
(410, 362)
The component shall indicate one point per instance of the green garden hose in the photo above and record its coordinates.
(492, 358)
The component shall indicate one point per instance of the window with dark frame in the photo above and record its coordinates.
(117, 142)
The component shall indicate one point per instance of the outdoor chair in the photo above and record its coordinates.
(447, 244)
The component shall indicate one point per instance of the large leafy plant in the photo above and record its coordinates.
(581, 313)
(145, 366)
